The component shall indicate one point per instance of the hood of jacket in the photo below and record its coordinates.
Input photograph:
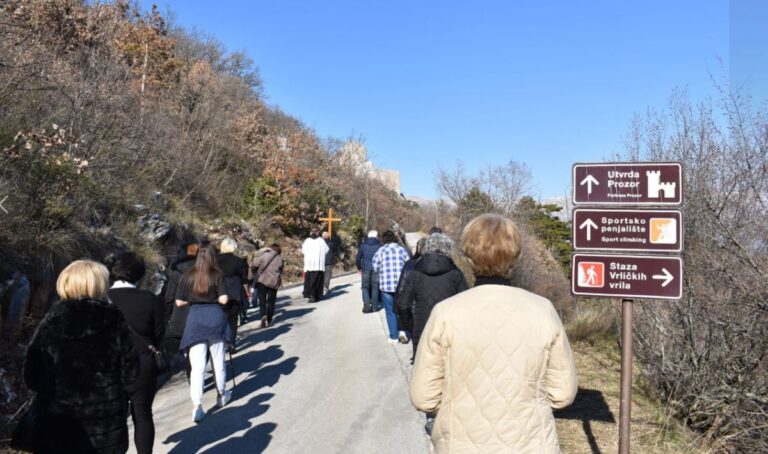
(79, 319)
(372, 242)
(182, 265)
(435, 264)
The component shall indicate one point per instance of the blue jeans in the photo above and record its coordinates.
(388, 300)
(370, 286)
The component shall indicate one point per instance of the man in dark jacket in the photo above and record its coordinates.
(370, 279)
(330, 259)
(434, 279)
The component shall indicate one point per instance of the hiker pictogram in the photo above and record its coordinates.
(591, 274)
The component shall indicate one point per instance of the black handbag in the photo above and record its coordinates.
(27, 433)
(161, 362)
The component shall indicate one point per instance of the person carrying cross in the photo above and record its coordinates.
(314, 250)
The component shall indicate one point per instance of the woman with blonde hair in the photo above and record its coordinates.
(494, 360)
(207, 330)
(79, 362)
(234, 271)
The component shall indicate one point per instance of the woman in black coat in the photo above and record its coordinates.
(405, 314)
(79, 362)
(434, 278)
(144, 312)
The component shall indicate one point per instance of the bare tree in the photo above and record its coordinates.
(707, 354)
(505, 184)
(502, 184)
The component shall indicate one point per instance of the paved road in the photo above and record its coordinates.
(322, 379)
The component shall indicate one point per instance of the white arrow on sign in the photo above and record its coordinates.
(589, 181)
(1, 204)
(589, 225)
(667, 277)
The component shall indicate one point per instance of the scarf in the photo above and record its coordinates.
(496, 280)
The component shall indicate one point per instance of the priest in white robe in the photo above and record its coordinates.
(314, 250)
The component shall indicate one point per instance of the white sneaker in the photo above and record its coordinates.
(402, 337)
(392, 341)
(224, 399)
(198, 414)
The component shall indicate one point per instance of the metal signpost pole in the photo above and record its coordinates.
(625, 407)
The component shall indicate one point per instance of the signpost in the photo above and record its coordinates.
(618, 226)
(659, 184)
(628, 230)
(628, 276)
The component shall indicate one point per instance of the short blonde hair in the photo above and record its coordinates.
(228, 246)
(83, 279)
(491, 243)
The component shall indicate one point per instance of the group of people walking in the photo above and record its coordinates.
(407, 285)
(97, 354)
(491, 362)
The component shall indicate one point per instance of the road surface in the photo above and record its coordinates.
(322, 379)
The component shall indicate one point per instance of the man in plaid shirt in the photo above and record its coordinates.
(388, 263)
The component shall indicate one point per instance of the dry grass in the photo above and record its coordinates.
(593, 321)
(590, 425)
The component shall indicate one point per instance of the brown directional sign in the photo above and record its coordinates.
(627, 276)
(628, 230)
(642, 183)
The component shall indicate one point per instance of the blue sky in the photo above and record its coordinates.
(426, 82)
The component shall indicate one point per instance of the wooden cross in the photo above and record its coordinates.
(330, 220)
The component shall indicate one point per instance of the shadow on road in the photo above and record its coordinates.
(255, 440)
(256, 335)
(338, 290)
(219, 424)
(590, 405)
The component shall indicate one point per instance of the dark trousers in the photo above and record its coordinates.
(141, 413)
(267, 298)
(244, 305)
(327, 276)
(255, 297)
(177, 359)
(370, 286)
(313, 285)
(233, 311)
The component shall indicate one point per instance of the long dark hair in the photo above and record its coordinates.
(205, 272)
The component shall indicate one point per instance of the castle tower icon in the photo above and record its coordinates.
(658, 189)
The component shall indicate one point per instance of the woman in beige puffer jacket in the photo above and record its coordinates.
(494, 360)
